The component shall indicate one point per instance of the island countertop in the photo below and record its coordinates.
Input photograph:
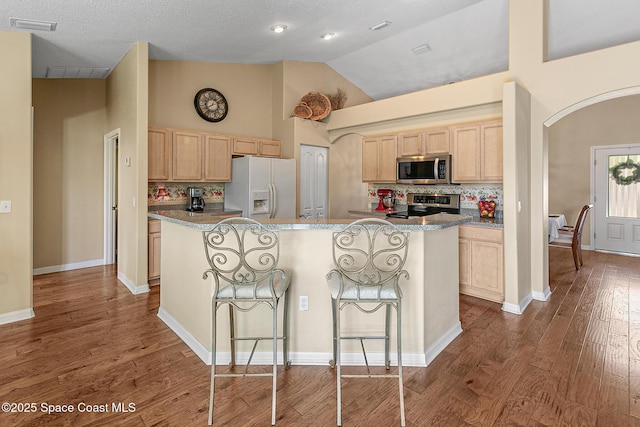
(205, 220)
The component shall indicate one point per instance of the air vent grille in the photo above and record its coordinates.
(77, 72)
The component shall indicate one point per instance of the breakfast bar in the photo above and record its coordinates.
(430, 315)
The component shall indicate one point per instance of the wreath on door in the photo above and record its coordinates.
(626, 173)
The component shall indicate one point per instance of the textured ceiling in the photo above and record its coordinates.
(467, 38)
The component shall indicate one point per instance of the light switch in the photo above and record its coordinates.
(5, 206)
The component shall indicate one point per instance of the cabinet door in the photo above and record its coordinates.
(387, 155)
(436, 141)
(217, 158)
(465, 152)
(410, 144)
(464, 262)
(486, 272)
(268, 148)
(159, 156)
(370, 160)
(187, 156)
(245, 146)
(491, 152)
(154, 249)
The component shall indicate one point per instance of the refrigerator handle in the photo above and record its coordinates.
(274, 200)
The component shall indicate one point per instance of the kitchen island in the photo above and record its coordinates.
(430, 315)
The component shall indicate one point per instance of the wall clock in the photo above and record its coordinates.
(211, 105)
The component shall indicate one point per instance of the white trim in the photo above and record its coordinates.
(133, 288)
(542, 296)
(619, 93)
(441, 343)
(518, 308)
(310, 358)
(67, 267)
(200, 350)
(16, 316)
(110, 163)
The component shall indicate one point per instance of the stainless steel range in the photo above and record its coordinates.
(429, 204)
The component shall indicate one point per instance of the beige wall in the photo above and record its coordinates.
(16, 172)
(570, 140)
(69, 125)
(127, 109)
(247, 89)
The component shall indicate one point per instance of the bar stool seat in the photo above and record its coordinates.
(243, 258)
(369, 256)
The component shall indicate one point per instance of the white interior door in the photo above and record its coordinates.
(313, 181)
(111, 196)
(617, 198)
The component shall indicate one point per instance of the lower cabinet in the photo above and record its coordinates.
(481, 252)
(154, 252)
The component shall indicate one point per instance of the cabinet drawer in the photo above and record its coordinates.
(488, 234)
(154, 226)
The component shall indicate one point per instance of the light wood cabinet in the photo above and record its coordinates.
(423, 142)
(476, 150)
(188, 156)
(154, 251)
(436, 140)
(481, 254)
(159, 155)
(379, 159)
(217, 158)
(410, 144)
(244, 146)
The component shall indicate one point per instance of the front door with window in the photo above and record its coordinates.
(617, 199)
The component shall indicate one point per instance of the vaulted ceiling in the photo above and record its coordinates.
(453, 39)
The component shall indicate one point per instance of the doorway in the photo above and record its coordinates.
(313, 181)
(111, 196)
(616, 181)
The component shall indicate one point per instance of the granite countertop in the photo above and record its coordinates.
(475, 219)
(205, 220)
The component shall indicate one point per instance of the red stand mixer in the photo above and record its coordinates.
(387, 200)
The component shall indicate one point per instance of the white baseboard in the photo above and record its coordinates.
(302, 358)
(542, 296)
(133, 288)
(441, 343)
(16, 316)
(517, 308)
(67, 267)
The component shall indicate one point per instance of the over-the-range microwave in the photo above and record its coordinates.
(433, 169)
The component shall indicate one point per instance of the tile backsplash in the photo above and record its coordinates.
(469, 193)
(213, 193)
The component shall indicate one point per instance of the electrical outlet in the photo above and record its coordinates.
(5, 206)
(304, 303)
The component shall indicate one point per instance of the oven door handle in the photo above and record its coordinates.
(435, 169)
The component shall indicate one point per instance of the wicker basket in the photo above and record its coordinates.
(319, 104)
(302, 110)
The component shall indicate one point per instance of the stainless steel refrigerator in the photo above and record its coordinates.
(262, 187)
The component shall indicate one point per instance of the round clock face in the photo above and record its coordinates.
(211, 105)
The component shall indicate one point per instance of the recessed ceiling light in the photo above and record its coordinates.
(380, 25)
(423, 48)
(328, 36)
(28, 24)
(278, 28)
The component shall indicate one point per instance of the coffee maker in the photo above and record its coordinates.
(196, 199)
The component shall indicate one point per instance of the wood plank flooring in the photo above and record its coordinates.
(571, 361)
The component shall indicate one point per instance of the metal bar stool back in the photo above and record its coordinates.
(369, 256)
(243, 258)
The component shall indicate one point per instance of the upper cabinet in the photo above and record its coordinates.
(379, 159)
(159, 156)
(476, 151)
(256, 147)
(423, 142)
(182, 155)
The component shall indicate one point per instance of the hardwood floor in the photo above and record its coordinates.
(571, 361)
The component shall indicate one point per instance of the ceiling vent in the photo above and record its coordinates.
(77, 73)
(380, 26)
(423, 48)
(28, 24)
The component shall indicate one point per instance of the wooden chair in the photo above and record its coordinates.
(571, 237)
